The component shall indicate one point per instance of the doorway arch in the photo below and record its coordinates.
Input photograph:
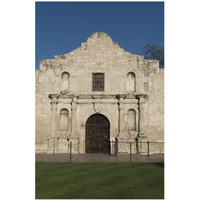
(97, 135)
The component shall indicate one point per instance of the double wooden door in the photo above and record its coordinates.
(97, 134)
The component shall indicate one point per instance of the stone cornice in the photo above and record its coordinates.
(123, 97)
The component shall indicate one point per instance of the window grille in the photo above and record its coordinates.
(98, 82)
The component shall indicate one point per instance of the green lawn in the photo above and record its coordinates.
(99, 181)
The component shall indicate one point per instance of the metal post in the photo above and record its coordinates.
(111, 151)
(70, 152)
(148, 147)
(130, 152)
(116, 147)
(137, 148)
(136, 144)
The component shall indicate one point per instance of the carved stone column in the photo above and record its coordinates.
(121, 126)
(54, 102)
(137, 120)
(52, 140)
(141, 107)
(73, 118)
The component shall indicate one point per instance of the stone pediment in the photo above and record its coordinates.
(99, 52)
(98, 46)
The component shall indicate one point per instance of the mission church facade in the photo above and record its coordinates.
(97, 94)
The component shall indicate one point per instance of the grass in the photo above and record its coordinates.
(99, 181)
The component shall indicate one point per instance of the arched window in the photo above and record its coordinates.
(64, 120)
(131, 82)
(65, 83)
(131, 120)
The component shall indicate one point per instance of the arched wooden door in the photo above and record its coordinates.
(97, 134)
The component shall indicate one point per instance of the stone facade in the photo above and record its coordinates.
(132, 99)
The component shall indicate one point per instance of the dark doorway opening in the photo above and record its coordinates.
(97, 134)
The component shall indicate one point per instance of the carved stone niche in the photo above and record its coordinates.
(131, 123)
(65, 83)
(64, 122)
(130, 82)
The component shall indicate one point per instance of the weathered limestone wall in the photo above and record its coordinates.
(98, 55)
(155, 107)
(43, 107)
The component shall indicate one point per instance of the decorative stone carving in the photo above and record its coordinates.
(97, 107)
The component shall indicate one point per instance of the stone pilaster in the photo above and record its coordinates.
(52, 140)
(141, 107)
(73, 138)
(54, 102)
(137, 120)
(73, 118)
(121, 116)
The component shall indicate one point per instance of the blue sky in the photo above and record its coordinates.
(61, 27)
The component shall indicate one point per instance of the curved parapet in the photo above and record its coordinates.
(99, 37)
